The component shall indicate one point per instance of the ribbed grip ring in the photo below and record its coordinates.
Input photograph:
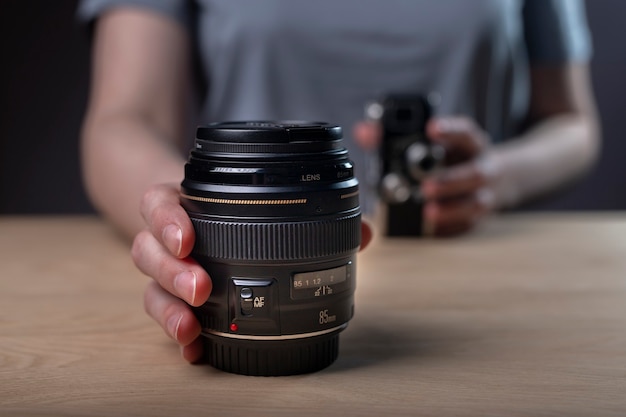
(245, 148)
(279, 241)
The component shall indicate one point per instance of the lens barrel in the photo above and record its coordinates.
(277, 219)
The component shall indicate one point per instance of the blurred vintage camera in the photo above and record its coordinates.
(407, 156)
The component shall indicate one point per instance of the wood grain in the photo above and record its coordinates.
(527, 316)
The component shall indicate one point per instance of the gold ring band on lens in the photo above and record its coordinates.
(244, 202)
(353, 194)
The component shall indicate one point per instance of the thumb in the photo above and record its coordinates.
(458, 135)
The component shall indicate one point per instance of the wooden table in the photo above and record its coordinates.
(525, 317)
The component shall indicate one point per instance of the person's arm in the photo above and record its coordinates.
(132, 162)
(562, 143)
(137, 112)
(132, 165)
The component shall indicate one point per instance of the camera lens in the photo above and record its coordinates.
(277, 219)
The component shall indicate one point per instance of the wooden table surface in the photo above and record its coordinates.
(525, 317)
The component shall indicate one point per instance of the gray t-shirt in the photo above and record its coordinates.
(324, 59)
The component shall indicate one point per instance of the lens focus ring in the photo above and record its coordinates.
(277, 241)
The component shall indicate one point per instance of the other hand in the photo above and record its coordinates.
(460, 194)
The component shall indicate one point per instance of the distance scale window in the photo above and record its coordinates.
(321, 283)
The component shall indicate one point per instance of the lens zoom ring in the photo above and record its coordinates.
(277, 241)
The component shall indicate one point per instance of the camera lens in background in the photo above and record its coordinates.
(277, 219)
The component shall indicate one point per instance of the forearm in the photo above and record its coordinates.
(137, 113)
(552, 153)
(122, 157)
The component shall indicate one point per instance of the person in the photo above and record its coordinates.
(516, 111)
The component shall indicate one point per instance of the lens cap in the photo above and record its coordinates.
(287, 131)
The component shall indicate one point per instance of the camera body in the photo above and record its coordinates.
(276, 212)
(407, 156)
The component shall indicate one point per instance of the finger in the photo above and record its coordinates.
(458, 135)
(167, 220)
(454, 181)
(366, 234)
(193, 352)
(368, 134)
(174, 316)
(183, 278)
(458, 215)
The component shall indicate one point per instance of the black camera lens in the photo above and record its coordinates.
(277, 219)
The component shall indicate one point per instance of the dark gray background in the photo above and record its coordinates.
(44, 78)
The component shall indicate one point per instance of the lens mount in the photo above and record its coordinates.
(272, 357)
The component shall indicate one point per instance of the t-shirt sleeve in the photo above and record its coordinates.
(178, 10)
(556, 31)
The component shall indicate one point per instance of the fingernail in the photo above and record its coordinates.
(449, 125)
(449, 174)
(185, 284)
(173, 238)
(430, 211)
(173, 323)
(441, 125)
(427, 189)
